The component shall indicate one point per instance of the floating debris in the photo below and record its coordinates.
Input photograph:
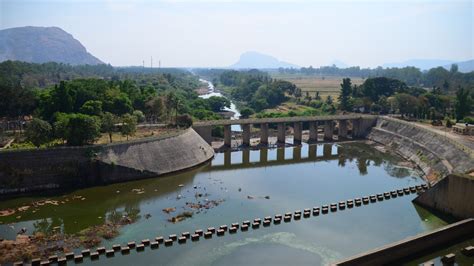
(168, 210)
(138, 190)
(180, 185)
(181, 217)
(6, 212)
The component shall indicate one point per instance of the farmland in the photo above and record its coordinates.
(326, 86)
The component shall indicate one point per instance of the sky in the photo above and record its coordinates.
(214, 33)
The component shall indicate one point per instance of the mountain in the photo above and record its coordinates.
(258, 60)
(422, 64)
(465, 66)
(43, 44)
(339, 64)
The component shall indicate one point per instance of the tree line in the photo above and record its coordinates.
(77, 111)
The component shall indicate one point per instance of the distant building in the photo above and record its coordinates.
(464, 129)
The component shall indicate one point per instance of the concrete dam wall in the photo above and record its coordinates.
(436, 155)
(452, 195)
(74, 167)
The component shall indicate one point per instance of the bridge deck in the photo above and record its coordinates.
(278, 120)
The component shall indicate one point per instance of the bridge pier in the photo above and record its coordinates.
(355, 128)
(281, 133)
(245, 156)
(246, 134)
(297, 153)
(264, 133)
(205, 132)
(328, 130)
(281, 154)
(342, 132)
(227, 136)
(263, 155)
(298, 132)
(313, 132)
(312, 151)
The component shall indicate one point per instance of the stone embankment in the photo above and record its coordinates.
(435, 154)
(74, 167)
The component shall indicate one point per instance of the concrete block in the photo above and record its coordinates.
(69, 255)
(125, 250)
(182, 240)
(146, 242)
(297, 216)
(199, 232)
(277, 220)
(94, 255)
(246, 222)
(244, 227)
(195, 237)
(233, 230)
(449, 259)
(78, 258)
(116, 247)
(208, 235)
(86, 252)
(100, 250)
(220, 232)
(257, 220)
(53, 258)
(168, 242)
(223, 227)
(316, 211)
(255, 225)
(186, 234)
(62, 261)
(236, 225)
(109, 253)
(266, 222)
(173, 237)
(45, 263)
(468, 251)
(140, 247)
(35, 262)
(154, 245)
(131, 244)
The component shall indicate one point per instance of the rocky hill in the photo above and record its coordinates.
(43, 44)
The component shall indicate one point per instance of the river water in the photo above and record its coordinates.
(247, 184)
(212, 92)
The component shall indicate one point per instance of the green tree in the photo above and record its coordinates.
(91, 108)
(38, 132)
(463, 103)
(139, 115)
(129, 125)
(78, 129)
(246, 112)
(344, 96)
(108, 124)
(407, 104)
(155, 108)
(217, 103)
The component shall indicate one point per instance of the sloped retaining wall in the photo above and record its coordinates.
(436, 155)
(453, 195)
(72, 167)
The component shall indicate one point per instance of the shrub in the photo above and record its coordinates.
(184, 121)
(38, 132)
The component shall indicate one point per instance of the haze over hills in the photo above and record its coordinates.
(259, 60)
(465, 66)
(43, 44)
(422, 64)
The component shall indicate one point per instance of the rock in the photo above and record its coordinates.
(168, 210)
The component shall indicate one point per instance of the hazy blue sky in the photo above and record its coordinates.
(215, 33)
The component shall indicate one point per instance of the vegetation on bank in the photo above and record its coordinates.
(69, 106)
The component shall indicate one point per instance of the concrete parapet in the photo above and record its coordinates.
(264, 133)
(395, 253)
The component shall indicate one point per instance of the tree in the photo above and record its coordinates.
(38, 132)
(454, 68)
(184, 121)
(77, 129)
(406, 103)
(129, 125)
(155, 108)
(463, 103)
(92, 108)
(246, 112)
(139, 115)
(108, 124)
(344, 96)
(329, 100)
(217, 103)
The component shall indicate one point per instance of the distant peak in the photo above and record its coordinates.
(253, 59)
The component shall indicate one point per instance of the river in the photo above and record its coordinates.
(212, 92)
(243, 185)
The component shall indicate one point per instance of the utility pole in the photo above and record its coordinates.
(151, 62)
(159, 63)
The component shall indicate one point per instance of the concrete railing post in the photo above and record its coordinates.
(281, 154)
(312, 151)
(264, 133)
(227, 136)
(342, 132)
(298, 132)
(245, 156)
(281, 133)
(246, 134)
(313, 131)
(328, 130)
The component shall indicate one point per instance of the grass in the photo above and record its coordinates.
(326, 86)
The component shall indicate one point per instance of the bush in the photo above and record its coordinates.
(38, 132)
(449, 123)
(77, 129)
(139, 115)
(184, 121)
(469, 120)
